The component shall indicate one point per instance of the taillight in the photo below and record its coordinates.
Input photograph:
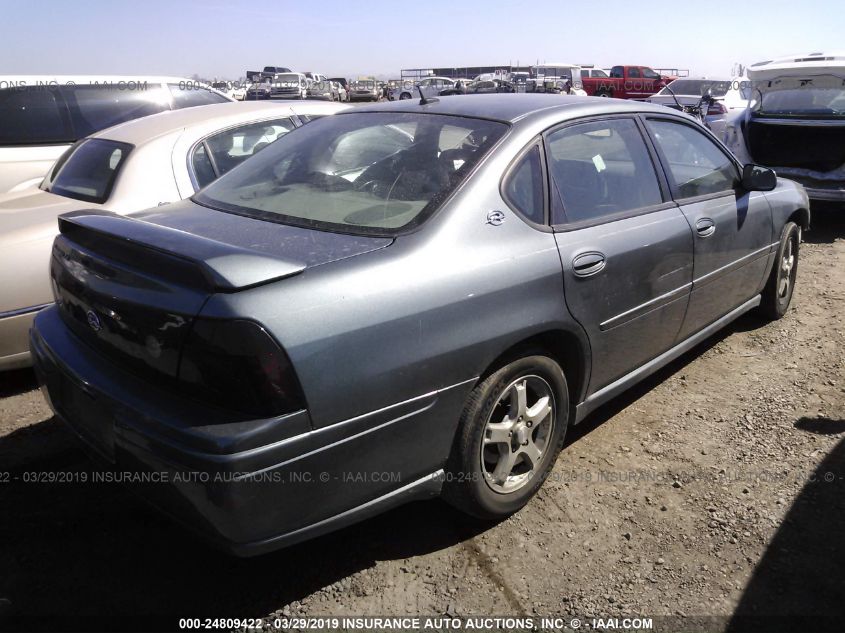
(716, 108)
(238, 366)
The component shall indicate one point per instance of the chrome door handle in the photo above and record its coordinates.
(588, 264)
(705, 227)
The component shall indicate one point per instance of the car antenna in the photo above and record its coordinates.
(423, 100)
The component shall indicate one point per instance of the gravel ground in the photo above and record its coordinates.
(716, 488)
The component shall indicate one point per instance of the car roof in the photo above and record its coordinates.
(511, 108)
(212, 116)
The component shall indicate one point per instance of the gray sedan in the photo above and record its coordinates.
(401, 301)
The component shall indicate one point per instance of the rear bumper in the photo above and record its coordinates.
(246, 486)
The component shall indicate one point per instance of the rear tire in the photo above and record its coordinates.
(510, 433)
(780, 286)
(405, 95)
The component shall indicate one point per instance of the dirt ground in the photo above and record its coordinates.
(715, 489)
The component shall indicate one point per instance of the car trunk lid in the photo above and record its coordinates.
(131, 288)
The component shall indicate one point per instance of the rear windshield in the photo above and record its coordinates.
(88, 170)
(698, 87)
(357, 173)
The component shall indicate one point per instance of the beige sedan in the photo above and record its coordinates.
(133, 166)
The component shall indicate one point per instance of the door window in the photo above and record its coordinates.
(32, 115)
(94, 107)
(600, 169)
(697, 165)
(188, 95)
(634, 73)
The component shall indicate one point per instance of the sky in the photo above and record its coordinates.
(218, 39)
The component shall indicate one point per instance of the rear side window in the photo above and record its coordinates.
(601, 169)
(203, 169)
(33, 115)
(94, 107)
(189, 95)
(88, 171)
(696, 164)
(524, 186)
(225, 150)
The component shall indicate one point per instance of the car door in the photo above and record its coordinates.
(732, 227)
(651, 81)
(625, 247)
(634, 83)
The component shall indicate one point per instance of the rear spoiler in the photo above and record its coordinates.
(175, 255)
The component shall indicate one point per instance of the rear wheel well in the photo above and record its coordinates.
(563, 347)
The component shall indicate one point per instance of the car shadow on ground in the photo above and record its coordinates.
(798, 585)
(92, 553)
(16, 381)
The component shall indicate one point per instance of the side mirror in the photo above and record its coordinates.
(757, 178)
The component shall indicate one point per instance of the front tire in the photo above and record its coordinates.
(510, 433)
(780, 286)
(405, 95)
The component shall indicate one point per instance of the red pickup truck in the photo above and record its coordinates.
(626, 82)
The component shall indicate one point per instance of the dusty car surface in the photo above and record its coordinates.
(142, 163)
(403, 300)
(796, 124)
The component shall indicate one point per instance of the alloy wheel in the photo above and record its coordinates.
(787, 263)
(517, 434)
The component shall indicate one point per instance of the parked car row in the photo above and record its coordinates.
(624, 82)
(235, 289)
(276, 82)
